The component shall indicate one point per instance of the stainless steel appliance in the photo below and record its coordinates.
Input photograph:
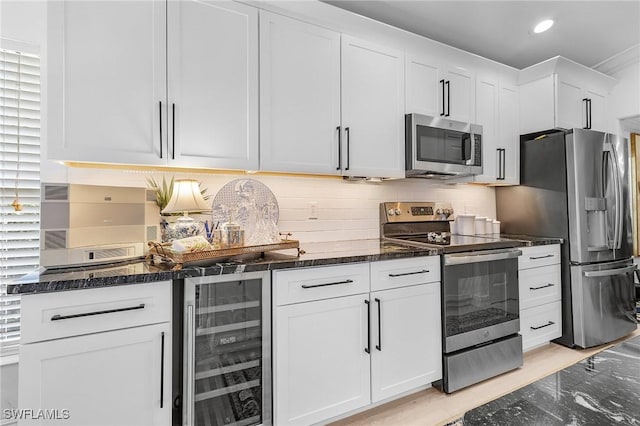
(480, 309)
(575, 185)
(227, 350)
(440, 148)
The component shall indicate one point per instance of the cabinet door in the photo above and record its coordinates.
(299, 96)
(422, 94)
(115, 378)
(213, 84)
(460, 94)
(487, 115)
(537, 105)
(106, 81)
(406, 350)
(598, 110)
(372, 110)
(509, 135)
(570, 110)
(321, 369)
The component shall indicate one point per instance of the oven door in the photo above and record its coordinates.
(480, 297)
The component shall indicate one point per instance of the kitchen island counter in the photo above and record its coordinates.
(139, 271)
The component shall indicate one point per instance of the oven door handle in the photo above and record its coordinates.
(482, 256)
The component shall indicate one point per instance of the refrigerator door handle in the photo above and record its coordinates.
(617, 233)
(609, 272)
(610, 159)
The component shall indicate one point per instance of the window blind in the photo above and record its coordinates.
(19, 182)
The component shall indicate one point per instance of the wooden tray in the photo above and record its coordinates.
(167, 255)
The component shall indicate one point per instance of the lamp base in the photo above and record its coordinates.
(178, 227)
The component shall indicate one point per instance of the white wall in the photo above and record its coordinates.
(346, 210)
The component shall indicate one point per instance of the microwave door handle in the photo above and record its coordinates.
(472, 153)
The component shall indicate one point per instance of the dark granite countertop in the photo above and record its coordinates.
(603, 389)
(316, 254)
(529, 241)
(139, 271)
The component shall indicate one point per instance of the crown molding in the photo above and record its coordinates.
(619, 61)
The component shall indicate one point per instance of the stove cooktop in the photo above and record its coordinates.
(453, 243)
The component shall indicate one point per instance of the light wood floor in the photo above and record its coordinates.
(432, 407)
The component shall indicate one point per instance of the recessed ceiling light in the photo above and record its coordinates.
(543, 26)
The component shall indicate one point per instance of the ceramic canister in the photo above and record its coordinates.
(481, 225)
(496, 227)
(465, 224)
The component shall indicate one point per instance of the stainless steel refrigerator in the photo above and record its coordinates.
(575, 185)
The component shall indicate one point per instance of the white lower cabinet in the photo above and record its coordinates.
(114, 376)
(321, 369)
(406, 349)
(540, 281)
(336, 351)
(540, 324)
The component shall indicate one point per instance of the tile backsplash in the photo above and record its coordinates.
(345, 210)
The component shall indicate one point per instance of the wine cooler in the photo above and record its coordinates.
(227, 351)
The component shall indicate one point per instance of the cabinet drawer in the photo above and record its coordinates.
(539, 285)
(533, 257)
(315, 283)
(540, 324)
(388, 274)
(50, 316)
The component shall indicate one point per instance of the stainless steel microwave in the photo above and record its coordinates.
(440, 148)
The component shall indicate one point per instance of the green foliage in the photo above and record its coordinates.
(163, 192)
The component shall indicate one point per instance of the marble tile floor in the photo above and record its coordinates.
(603, 389)
(432, 407)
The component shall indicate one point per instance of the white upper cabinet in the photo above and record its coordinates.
(509, 134)
(213, 84)
(488, 116)
(330, 104)
(107, 78)
(558, 93)
(497, 113)
(372, 110)
(438, 89)
(459, 90)
(108, 82)
(423, 88)
(299, 96)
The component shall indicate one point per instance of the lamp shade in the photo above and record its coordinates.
(186, 197)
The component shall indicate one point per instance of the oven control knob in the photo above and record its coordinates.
(398, 212)
(391, 212)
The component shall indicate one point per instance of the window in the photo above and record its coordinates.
(19, 182)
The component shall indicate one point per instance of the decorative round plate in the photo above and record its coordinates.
(252, 205)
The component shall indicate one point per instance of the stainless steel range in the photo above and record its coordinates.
(480, 309)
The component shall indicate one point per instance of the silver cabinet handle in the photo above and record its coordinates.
(488, 255)
(609, 272)
(162, 371)
(326, 284)
(546, 256)
(542, 326)
(541, 287)
(59, 317)
(190, 391)
(424, 271)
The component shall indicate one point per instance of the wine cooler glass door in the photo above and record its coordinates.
(227, 350)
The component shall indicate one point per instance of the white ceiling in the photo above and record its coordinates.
(587, 32)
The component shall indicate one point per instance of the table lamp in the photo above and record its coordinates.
(186, 198)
